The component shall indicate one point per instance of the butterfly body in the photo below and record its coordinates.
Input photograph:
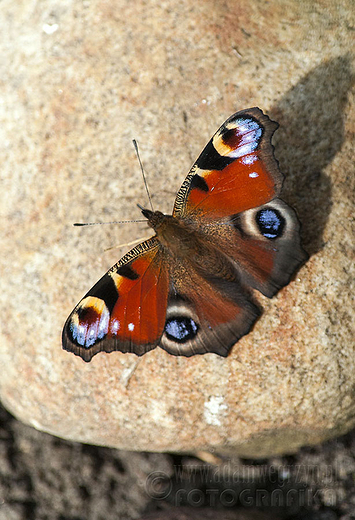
(184, 242)
(189, 288)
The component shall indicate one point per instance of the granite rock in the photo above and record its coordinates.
(77, 85)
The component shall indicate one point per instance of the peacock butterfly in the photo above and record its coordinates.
(187, 289)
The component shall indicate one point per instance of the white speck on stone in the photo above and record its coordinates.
(214, 408)
(127, 373)
(156, 409)
(33, 422)
(253, 175)
(50, 29)
(131, 326)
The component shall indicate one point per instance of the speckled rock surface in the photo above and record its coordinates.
(78, 83)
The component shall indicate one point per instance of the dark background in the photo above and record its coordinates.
(43, 477)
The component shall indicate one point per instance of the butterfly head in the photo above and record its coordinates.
(155, 218)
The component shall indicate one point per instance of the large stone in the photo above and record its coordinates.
(78, 85)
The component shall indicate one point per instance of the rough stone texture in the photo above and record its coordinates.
(79, 81)
(46, 478)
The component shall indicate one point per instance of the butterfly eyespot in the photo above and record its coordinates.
(239, 138)
(180, 329)
(270, 223)
(89, 322)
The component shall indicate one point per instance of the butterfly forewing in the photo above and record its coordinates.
(125, 310)
(236, 171)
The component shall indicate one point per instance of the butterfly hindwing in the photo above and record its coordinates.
(205, 313)
(262, 243)
(125, 310)
(265, 244)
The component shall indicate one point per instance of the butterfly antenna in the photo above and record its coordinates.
(101, 223)
(135, 144)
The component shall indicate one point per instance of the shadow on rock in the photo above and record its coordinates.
(311, 133)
